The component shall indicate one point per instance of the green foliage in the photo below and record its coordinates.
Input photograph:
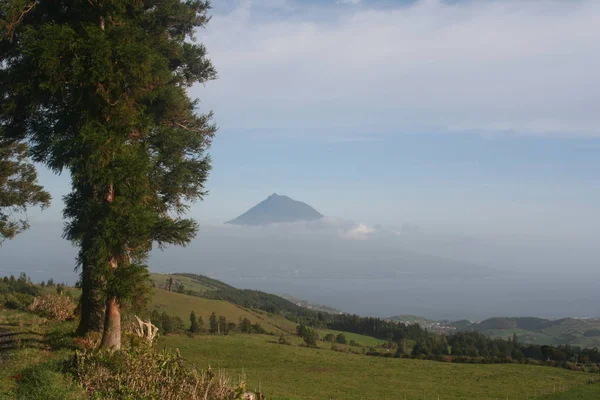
(194, 327)
(213, 324)
(18, 187)
(330, 337)
(18, 293)
(309, 335)
(113, 110)
(341, 339)
(47, 382)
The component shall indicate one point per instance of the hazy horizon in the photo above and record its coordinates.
(381, 272)
(455, 140)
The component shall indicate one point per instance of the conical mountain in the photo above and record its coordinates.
(277, 209)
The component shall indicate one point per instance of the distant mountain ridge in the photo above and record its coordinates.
(277, 209)
(573, 331)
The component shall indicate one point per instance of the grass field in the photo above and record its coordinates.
(586, 392)
(182, 305)
(32, 351)
(292, 372)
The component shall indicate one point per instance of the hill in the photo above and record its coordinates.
(277, 209)
(203, 286)
(181, 305)
(572, 331)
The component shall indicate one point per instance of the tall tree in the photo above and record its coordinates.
(18, 188)
(99, 88)
(213, 323)
(194, 327)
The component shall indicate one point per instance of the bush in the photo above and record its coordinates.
(341, 339)
(143, 373)
(17, 301)
(284, 340)
(330, 337)
(53, 306)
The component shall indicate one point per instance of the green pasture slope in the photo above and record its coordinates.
(177, 304)
(285, 372)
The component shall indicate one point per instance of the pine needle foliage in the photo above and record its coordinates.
(98, 88)
(18, 188)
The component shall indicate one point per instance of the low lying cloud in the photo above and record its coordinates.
(359, 232)
(504, 66)
(328, 226)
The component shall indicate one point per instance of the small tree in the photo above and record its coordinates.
(246, 326)
(330, 337)
(167, 323)
(213, 323)
(194, 327)
(201, 326)
(223, 327)
(341, 338)
(310, 337)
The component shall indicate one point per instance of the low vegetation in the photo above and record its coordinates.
(294, 371)
(41, 359)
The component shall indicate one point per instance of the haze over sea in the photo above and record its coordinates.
(388, 273)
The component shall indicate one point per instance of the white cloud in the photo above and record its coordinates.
(524, 67)
(348, 1)
(359, 232)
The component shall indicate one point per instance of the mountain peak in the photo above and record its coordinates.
(277, 209)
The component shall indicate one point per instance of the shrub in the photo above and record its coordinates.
(284, 340)
(330, 337)
(143, 373)
(17, 301)
(336, 347)
(53, 306)
(341, 338)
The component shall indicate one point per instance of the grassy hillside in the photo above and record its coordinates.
(200, 285)
(292, 372)
(181, 305)
(572, 331)
(177, 304)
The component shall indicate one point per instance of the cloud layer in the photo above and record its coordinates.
(518, 67)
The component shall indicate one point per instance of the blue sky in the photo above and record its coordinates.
(462, 116)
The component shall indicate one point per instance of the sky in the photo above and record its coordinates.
(452, 146)
(460, 116)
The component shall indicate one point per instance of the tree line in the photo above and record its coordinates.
(474, 347)
(216, 325)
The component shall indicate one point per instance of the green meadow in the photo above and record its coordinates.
(293, 372)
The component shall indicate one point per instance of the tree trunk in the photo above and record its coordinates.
(91, 305)
(111, 336)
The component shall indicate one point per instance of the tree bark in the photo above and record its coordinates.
(111, 336)
(91, 304)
